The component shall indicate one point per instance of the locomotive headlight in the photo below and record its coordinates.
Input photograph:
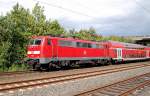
(36, 52)
(29, 52)
(33, 52)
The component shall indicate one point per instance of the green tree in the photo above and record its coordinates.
(55, 28)
(20, 23)
(17, 26)
(39, 20)
(41, 26)
(86, 34)
(13, 26)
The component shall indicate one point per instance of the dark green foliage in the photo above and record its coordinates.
(90, 34)
(86, 34)
(15, 29)
(41, 26)
(117, 38)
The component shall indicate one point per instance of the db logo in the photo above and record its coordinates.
(84, 52)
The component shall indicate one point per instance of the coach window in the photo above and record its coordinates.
(48, 41)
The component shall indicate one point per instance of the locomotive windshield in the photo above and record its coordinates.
(35, 42)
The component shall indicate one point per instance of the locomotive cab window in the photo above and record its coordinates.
(35, 42)
(31, 42)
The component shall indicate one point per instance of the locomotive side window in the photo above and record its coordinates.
(89, 45)
(85, 45)
(65, 43)
(95, 46)
(48, 41)
(100, 46)
(79, 44)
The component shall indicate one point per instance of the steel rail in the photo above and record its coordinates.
(50, 80)
(135, 88)
(53, 77)
(14, 73)
(121, 88)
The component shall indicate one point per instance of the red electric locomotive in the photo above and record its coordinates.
(46, 52)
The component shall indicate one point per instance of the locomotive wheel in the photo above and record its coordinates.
(110, 62)
(50, 66)
(72, 64)
(65, 64)
(54, 66)
(103, 62)
(38, 68)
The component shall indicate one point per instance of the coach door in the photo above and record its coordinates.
(119, 53)
(147, 53)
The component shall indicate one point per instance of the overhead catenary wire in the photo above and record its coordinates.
(140, 5)
(84, 14)
(66, 9)
(84, 6)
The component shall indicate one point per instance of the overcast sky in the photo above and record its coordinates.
(108, 17)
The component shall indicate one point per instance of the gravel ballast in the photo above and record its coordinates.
(70, 88)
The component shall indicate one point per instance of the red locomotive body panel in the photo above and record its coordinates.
(79, 51)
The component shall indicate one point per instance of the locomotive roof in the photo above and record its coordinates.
(113, 43)
(73, 39)
(69, 38)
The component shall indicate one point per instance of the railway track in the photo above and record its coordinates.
(122, 88)
(11, 86)
(14, 73)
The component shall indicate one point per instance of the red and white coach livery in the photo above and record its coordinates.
(120, 51)
(45, 52)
